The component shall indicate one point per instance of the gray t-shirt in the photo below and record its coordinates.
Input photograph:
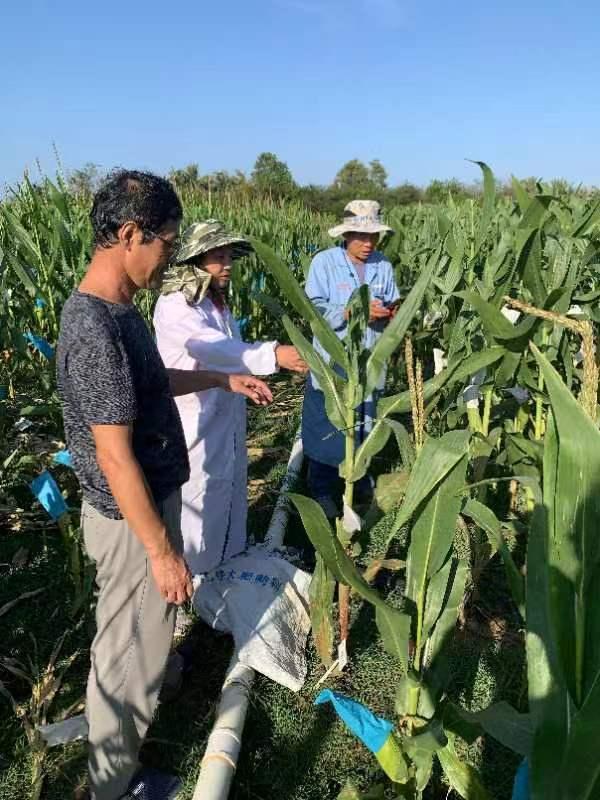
(110, 373)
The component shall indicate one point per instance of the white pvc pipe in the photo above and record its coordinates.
(225, 741)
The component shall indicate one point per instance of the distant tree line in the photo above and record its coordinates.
(355, 179)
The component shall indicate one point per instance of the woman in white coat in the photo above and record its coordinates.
(196, 330)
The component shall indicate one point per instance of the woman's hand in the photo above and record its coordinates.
(287, 357)
(251, 387)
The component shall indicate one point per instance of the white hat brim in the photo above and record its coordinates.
(348, 227)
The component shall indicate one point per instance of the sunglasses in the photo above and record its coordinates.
(172, 244)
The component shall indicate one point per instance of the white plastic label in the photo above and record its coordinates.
(342, 655)
(351, 521)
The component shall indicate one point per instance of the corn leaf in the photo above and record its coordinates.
(529, 263)
(390, 489)
(21, 235)
(580, 772)
(586, 220)
(489, 193)
(572, 502)
(485, 518)
(460, 775)
(329, 381)
(505, 724)
(436, 593)
(297, 297)
(521, 196)
(375, 441)
(446, 623)
(22, 272)
(456, 372)
(435, 460)
(433, 530)
(322, 587)
(548, 698)
(393, 335)
(535, 211)
(393, 625)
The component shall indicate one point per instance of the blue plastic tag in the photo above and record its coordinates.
(64, 458)
(40, 344)
(46, 490)
(521, 784)
(371, 730)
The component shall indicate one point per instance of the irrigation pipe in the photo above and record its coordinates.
(225, 741)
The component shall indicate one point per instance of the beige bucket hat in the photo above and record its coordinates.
(361, 216)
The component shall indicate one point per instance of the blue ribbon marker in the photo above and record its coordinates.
(40, 344)
(521, 784)
(39, 303)
(371, 730)
(46, 490)
(64, 458)
(243, 325)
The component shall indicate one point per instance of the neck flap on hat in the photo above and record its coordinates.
(193, 282)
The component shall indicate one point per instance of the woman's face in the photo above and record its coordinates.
(217, 263)
(359, 246)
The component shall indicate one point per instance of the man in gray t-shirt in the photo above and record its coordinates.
(110, 373)
(129, 453)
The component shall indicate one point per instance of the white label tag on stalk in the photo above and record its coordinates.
(22, 424)
(342, 655)
(511, 314)
(351, 521)
(440, 361)
(471, 396)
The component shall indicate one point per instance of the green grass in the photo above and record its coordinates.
(291, 749)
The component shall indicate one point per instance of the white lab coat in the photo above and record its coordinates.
(215, 502)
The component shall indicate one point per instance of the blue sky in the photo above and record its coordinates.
(420, 85)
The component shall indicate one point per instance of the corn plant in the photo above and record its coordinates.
(44, 681)
(418, 632)
(557, 735)
(435, 581)
(347, 380)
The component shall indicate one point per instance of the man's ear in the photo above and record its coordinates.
(128, 234)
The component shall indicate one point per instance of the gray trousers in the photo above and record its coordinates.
(129, 652)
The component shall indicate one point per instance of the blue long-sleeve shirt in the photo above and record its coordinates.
(332, 279)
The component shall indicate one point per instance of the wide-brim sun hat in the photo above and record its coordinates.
(361, 216)
(184, 274)
(202, 237)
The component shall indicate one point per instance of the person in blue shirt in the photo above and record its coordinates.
(333, 276)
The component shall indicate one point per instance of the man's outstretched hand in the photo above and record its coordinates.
(251, 387)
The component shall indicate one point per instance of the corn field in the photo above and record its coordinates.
(490, 426)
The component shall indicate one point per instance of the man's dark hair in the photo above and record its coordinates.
(131, 196)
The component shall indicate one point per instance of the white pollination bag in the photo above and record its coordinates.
(262, 600)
